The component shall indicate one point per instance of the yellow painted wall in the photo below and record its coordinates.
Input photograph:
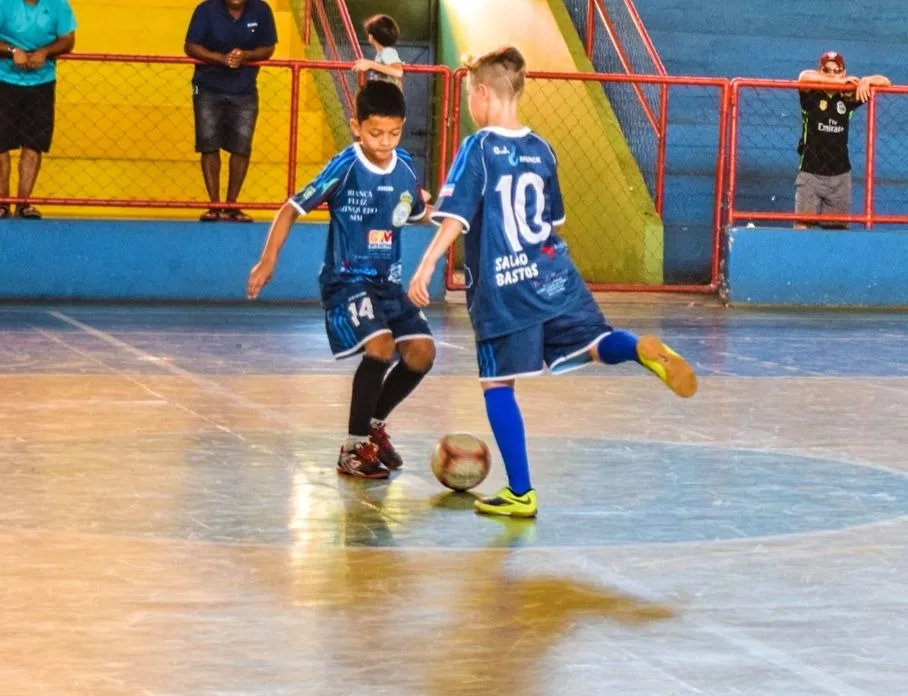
(126, 130)
(613, 229)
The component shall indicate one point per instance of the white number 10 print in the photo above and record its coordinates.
(514, 206)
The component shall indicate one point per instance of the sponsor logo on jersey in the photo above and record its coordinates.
(402, 210)
(511, 153)
(381, 239)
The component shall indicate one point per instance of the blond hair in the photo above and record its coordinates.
(502, 70)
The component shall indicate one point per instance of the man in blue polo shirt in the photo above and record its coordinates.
(32, 34)
(227, 35)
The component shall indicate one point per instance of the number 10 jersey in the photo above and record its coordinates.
(503, 187)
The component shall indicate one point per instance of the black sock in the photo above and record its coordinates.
(400, 382)
(367, 385)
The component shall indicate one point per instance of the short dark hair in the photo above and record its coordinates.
(383, 29)
(380, 98)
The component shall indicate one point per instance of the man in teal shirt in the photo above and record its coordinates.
(32, 34)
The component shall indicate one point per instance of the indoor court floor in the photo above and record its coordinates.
(171, 522)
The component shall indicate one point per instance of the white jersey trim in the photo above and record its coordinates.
(371, 167)
(359, 346)
(507, 132)
(442, 214)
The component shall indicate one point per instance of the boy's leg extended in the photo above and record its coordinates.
(414, 342)
(582, 336)
(500, 361)
(354, 324)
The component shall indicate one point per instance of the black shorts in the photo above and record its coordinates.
(26, 116)
(224, 121)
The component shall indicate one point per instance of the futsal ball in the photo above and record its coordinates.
(460, 461)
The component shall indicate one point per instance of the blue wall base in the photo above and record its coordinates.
(186, 261)
(821, 268)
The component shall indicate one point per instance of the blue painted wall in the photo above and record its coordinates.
(776, 40)
(739, 38)
(860, 268)
(132, 260)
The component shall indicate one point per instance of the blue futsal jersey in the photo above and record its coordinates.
(504, 188)
(368, 206)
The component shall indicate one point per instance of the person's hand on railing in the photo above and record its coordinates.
(235, 59)
(363, 65)
(862, 93)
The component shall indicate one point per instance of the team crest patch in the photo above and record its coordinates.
(824, 105)
(402, 210)
(841, 108)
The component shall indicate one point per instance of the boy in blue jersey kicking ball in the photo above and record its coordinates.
(372, 191)
(528, 304)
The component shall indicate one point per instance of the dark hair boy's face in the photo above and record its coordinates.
(378, 136)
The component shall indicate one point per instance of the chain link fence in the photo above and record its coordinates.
(617, 237)
(616, 44)
(890, 162)
(125, 136)
(770, 148)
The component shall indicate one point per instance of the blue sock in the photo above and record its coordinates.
(618, 347)
(507, 424)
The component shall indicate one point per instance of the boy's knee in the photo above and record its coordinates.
(418, 355)
(381, 347)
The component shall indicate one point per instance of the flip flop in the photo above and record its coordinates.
(236, 215)
(28, 212)
(213, 215)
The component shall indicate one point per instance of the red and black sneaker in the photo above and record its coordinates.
(361, 461)
(386, 452)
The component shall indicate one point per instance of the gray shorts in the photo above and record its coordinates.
(823, 195)
(224, 122)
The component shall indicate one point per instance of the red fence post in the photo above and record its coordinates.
(307, 22)
(721, 161)
(294, 128)
(732, 154)
(590, 28)
(445, 106)
(456, 99)
(871, 160)
(662, 135)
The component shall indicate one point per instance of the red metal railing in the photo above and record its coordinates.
(341, 44)
(296, 69)
(658, 122)
(734, 214)
(665, 82)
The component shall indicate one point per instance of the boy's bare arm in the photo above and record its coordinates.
(394, 70)
(419, 285)
(280, 229)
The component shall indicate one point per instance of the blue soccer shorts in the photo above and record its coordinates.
(355, 313)
(562, 344)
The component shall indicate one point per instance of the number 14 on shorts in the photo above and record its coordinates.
(364, 311)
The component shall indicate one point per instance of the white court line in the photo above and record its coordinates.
(167, 366)
(160, 398)
(448, 345)
(754, 647)
(740, 639)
